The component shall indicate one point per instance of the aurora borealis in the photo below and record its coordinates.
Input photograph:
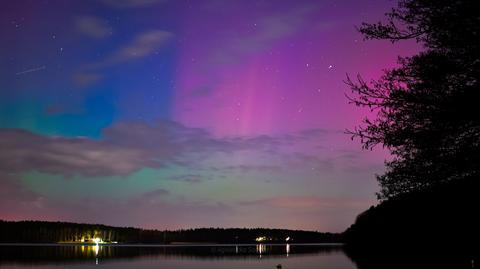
(181, 114)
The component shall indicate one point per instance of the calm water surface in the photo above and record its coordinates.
(175, 257)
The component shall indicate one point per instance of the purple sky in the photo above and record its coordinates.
(179, 114)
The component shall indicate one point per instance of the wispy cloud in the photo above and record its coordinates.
(236, 42)
(141, 46)
(266, 31)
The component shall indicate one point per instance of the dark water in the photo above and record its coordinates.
(175, 257)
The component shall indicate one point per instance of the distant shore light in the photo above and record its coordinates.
(261, 238)
(97, 240)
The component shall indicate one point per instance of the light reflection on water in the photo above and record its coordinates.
(175, 257)
(93, 249)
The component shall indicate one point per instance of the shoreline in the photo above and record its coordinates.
(169, 245)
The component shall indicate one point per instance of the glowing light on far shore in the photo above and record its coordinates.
(261, 239)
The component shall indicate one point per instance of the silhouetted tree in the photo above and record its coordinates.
(426, 110)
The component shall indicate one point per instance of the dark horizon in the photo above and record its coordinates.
(40, 232)
(143, 228)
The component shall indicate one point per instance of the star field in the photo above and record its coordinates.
(174, 114)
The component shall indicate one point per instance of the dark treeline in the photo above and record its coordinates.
(426, 115)
(438, 224)
(53, 232)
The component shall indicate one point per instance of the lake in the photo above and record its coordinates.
(263, 256)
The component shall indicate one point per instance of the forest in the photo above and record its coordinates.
(65, 232)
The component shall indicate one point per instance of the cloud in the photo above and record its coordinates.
(131, 3)
(232, 44)
(24, 151)
(140, 47)
(125, 148)
(268, 30)
(92, 26)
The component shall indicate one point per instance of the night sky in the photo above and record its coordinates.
(179, 114)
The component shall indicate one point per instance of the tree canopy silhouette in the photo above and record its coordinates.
(427, 109)
(54, 232)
